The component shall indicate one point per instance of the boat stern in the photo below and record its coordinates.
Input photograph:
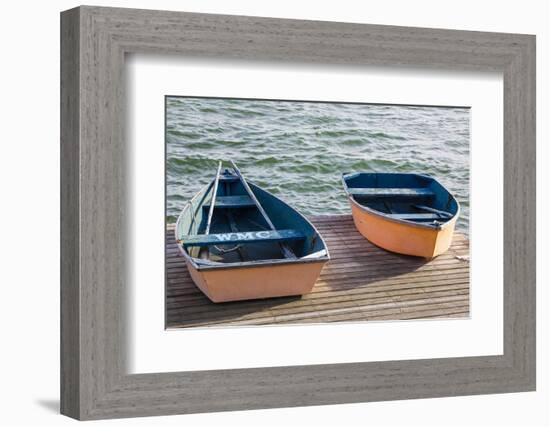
(402, 238)
(257, 282)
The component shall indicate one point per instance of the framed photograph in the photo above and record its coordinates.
(262, 213)
(342, 269)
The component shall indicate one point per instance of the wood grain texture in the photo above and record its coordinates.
(94, 241)
(70, 292)
(360, 283)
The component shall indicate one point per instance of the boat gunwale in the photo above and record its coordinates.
(428, 226)
(249, 264)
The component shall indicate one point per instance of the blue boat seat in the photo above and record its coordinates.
(229, 202)
(241, 237)
(418, 216)
(396, 193)
(228, 178)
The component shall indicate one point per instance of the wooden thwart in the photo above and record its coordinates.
(441, 213)
(242, 237)
(360, 283)
(390, 192)
(231, 202)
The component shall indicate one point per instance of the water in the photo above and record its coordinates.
(298, 150)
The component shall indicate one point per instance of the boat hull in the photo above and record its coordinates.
(402, 237)
(256, 282)
(249, 268)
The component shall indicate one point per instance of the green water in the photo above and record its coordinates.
(298, 150)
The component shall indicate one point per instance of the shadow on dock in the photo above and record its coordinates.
(361, 282)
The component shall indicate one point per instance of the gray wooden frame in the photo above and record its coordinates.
(94, 382)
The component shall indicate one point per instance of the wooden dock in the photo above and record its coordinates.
(361, 282)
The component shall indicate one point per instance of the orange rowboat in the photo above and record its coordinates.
(405, 213)
(241, 242)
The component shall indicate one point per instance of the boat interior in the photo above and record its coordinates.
(406, 197)
(236, 217)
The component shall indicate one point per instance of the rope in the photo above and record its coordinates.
(224, 251)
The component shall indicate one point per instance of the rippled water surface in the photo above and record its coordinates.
(298, 150)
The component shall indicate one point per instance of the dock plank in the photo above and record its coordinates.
(361, 283)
